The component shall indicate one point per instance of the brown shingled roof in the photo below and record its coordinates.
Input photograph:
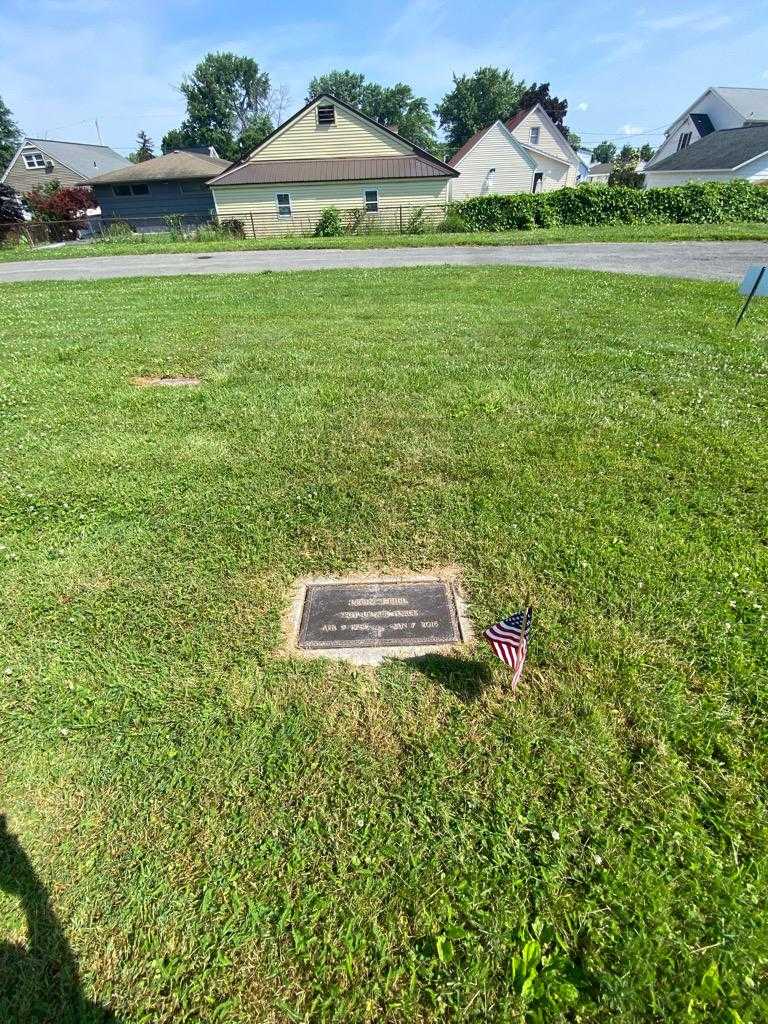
(175, 166)
(518, 118)
(346, 168)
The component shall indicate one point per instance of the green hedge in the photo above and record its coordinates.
(708, 202)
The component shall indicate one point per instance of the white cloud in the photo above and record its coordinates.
(633, 129)
(695, 21)
(582, 106)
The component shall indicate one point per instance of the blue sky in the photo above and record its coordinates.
(626, 70)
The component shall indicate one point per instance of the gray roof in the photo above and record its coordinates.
(752, 104)
(346, 168)
(81, 156)
(175, 166)
(601, 168)
(702, 123)
(719, 151)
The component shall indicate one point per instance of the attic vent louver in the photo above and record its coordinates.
(326, 115)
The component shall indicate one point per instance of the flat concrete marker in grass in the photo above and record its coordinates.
(367, 620)
(165, 382)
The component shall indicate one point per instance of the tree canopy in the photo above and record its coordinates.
(477, 100)
(144, 149)
(10, 137)
(556, 108)
(604, 152)
(395, 106)
(227, 106)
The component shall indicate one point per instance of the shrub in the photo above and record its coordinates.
(329, 224)
(709, 202)
(11, 215)
(174, 223)
(360, 222)
(417, 224)
(453, 222)
(118, 230)
(58, 212)
(233, 227)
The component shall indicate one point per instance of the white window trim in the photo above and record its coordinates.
(371, 188)
(33, 155)
(534, 129)
(278, 204)
(535, 190)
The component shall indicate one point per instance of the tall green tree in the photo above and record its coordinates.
(227, 100)
(604, 153)
(348, 86)
(10, 137)
(646, 151)
(554, 106)
(395, 106)
(144, 149)
(476, 100)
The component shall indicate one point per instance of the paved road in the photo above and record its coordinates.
(705, 261)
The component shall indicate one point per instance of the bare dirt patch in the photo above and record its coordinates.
(165, 382)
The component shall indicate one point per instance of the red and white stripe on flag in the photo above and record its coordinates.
(509, 641)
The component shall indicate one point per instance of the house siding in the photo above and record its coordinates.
(24, 180)
(513, 172)
(147, 212)
(350, 136)
(548, 143)
(721, 114)
(307, 201)
(556, 174)
(755, 171)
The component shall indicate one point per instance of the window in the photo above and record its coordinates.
(127, 190)
(34, 161)
(372, 200)
(283, 204)
(684, 141)
(534, 136)
(192, 186)
(326, 115)
(538, 181)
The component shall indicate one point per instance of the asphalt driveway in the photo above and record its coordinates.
(704, 261)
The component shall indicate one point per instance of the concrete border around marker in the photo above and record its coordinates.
(374, 656)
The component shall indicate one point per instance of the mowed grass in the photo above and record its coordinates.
(227, 834)
(159, 243)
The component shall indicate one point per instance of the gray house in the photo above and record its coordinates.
(146, 193)
(38, 161)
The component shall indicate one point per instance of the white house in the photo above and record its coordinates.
(528, 153)
(723, 135)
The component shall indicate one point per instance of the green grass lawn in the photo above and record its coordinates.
(226, 834)
(611, 233)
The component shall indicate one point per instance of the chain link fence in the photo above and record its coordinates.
(403, 219)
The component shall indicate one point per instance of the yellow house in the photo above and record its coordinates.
(329, 154)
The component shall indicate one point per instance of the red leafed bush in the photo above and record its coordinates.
(60, 209)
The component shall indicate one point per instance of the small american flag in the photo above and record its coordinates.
(509, 640)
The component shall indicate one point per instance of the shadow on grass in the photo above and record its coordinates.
(39, 980)
(466, 679)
